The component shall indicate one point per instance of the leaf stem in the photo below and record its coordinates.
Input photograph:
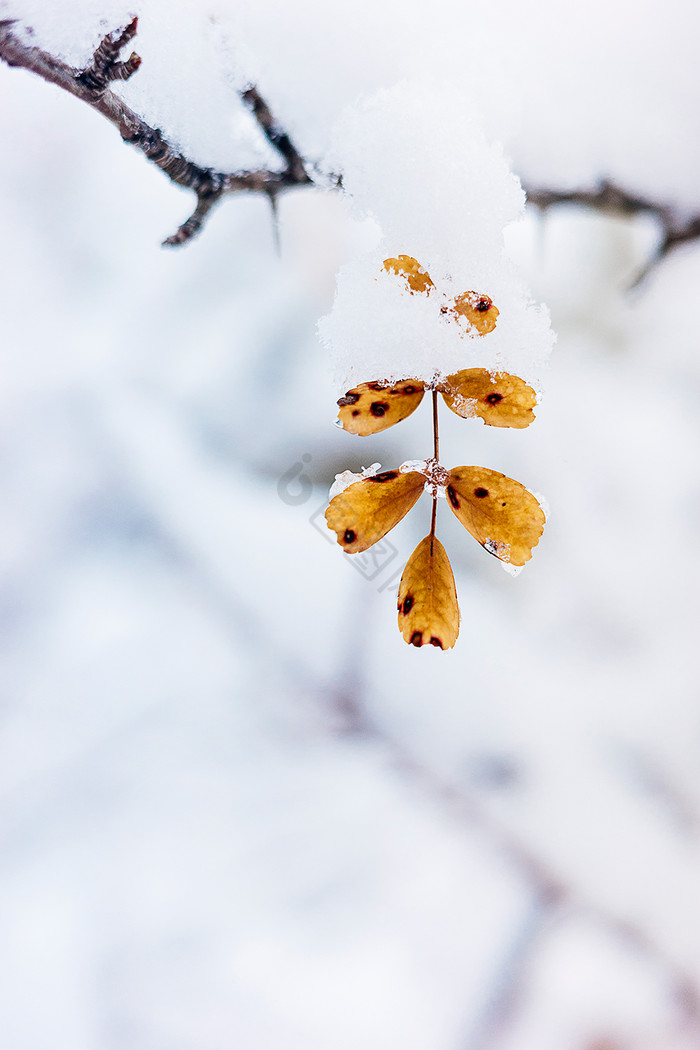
(436, 455)
(436, 444)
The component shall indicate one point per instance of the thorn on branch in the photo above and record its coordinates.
(272, 193)
(106, 66)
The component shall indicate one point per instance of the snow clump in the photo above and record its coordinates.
(417, 160)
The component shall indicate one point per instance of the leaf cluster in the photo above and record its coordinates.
(500, 513)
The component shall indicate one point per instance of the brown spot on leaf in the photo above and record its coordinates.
(378, 408)
(484, 304)
(435, 641)
(407, 390)
(386, 475)
(349, 536)
(416, 638)
(481, 493)
(493, 399)
(375, 386)
(452, 496)
(351, 398)
(407, 604)
(356, 412)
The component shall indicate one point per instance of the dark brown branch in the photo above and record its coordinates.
(608, 197)
(273, 133)
(91, 85)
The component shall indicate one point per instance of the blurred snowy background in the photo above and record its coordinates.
(237, 810)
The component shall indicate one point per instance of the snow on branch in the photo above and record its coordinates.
(91, 85)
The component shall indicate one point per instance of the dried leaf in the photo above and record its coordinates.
(500, 513)
(417, 277)
(428, 610)
(366, 510)
(501, 401)
(478, 310)
(371, 407)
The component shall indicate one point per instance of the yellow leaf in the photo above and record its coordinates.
(478, 310)
(417, 277)
(501, 401)
(371, 407)
(366, 510)
(500, 513)
(428, 610)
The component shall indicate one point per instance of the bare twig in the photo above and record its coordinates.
(91, 85)
(275, 135)
(105, 62)
(507, 991)
(608, 197)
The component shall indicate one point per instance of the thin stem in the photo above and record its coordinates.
(436, 456)
(436, 444)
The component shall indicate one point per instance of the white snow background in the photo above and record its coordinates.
(237, 810)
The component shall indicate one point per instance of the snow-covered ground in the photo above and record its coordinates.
(237, 811)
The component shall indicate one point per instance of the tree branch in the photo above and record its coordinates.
(91, 85)
(608, 197)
